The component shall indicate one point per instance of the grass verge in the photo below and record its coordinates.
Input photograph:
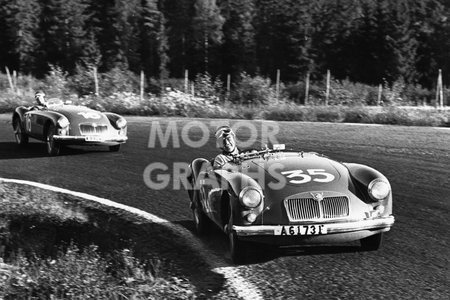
(55, 246)
(184, 105)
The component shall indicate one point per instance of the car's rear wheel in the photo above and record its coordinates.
(201, 221)
(372, 242)
(114, 148)
(238, 249)
(53, 147)
(19, 134)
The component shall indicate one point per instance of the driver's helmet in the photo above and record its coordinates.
(226, 138)
(40, 97)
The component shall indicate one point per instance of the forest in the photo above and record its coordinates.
(365, 41)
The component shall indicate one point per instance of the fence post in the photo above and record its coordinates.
(186, 81)
(9, 79)
(96, 81)
(278, 85)
(142, 85)
(307, 89)
(14, 78)
(441, 90)
(437, 101)
(380, 92)
(228, 87)
(327, 95)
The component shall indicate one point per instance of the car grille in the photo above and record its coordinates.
(89, 129)
(301, 209)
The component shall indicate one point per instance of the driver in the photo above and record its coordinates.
(226, 140)
(40, 98)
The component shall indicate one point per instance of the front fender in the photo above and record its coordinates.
(51, 117)
(18, 113)
(194, 170)
(112, 117)
(363, 175)
(236, 182)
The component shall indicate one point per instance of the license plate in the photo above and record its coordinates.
(94, 139)
(301, 230)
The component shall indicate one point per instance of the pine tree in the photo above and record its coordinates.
(154, 40)
(178, 16)
(239, 47)
(432, 20)
(64, 34)
(207, 27)
(21, 21)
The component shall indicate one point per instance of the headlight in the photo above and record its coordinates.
(63, 122)
(121, 123)
(379, 189)
(250, 197)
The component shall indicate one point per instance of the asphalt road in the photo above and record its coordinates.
(413, 262)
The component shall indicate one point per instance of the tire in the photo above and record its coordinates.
(19, 134)
(114, 148)
(53, 147)
(201, 221)
(372, 242)
(238, 249)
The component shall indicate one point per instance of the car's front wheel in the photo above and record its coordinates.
(53, 147)
(19, 134)
(372, 242)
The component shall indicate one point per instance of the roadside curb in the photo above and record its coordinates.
(243, 288)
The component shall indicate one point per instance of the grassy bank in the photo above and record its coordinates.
(55, 246)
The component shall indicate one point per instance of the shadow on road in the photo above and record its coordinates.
(217, 241)
(10, 150)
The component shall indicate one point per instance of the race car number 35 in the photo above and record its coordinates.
(301, 230)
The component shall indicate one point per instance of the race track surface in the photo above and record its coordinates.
(413, 262)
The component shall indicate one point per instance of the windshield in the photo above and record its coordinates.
(254, 152)
(54, 102)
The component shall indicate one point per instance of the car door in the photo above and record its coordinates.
(32, 126)
(36, 124)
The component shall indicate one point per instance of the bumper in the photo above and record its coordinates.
(97, 140)
(336, 232)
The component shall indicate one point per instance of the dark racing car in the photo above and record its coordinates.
(62, 124)
(286, 197)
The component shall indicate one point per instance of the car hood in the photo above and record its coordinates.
(283, 174)
(81, 114)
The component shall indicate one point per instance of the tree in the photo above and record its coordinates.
(207, 25)
(285, 32)
(178, 16)
(239, 47)
(63, 33)
(432, 20)
(21, 21)
(154, 40)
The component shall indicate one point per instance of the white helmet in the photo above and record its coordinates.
(224, 133)
(40, 97)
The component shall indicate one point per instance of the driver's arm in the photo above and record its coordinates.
(219, 161)
(224, 162)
